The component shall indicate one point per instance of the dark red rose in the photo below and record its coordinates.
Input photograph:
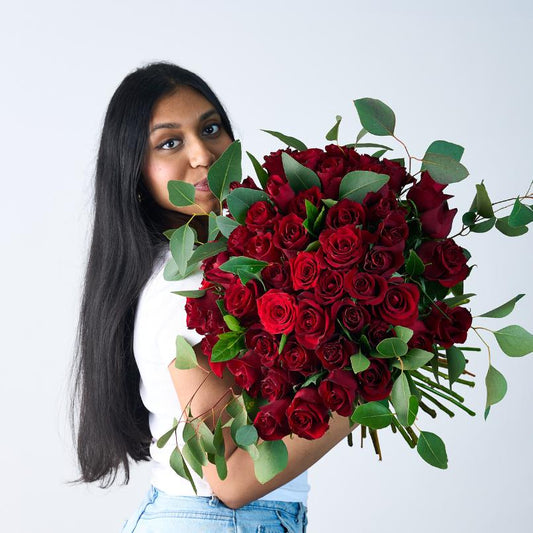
(297, 204)
(207, 344)
(342, 248)
(353, 316)
(309, 158)
(280, 191)
(264, 344)
(261, 216)
(262, 247)
(276, 384)
(336, 352)
(375, 383)
(313, 324)
(384, 260)
(305, 269)
(212, 271)
(271, 420)
(435, 216)
(393, 228)
(247, 372)
(345, 212)
(449, 325)
(277, 311)
(273, 164)
(277, 276)
(329, 287)
(290, 234)
(307, 414)
(338, 390)
(246, 183)
(296, 358)
(399, 177)
(379, 204)
(400, 305)
(238, 239)
(377, 331)
(445, 262)
(240, 299)
(422, 337)
(367, 288)
(204, 315)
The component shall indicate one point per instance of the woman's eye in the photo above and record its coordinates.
(214, 126)
(171, 143)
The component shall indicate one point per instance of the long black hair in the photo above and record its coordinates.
(108, 419)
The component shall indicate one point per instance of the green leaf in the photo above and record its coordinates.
(262, 174)
(289, 141)
(171, 273)
(504, 309)
(456, 363)
(226, 225)
(502, 224)
(233, 323)
(403, 333)
(460, 299)
(483, 227)
(185, 356)
(413, 410)
(484, 205)
(443, 168)
(222, 467)
(355, 185)
(180, 467)
(469, 218)
(375, 415)
(212, 227)
(166, 437)
(300, 177)
(514, 341)
(240, 199)
(432, 449)
(415, 358)
(359, 363)
(312, 380)
(496, 386)
(239, 263)
(246, 435)
(360, 135)
(206, 437)
(194, 455)
(521, 215)
(168, 233)
(180, 193)
(414, 266)
(329, 202)
(392, 347)
(446, 148)
(379, 153)
(181, 246)
(226, 169)
(399, 396)
(333, 133)
(191, 294)
(207, 249)
(375, 116)
(218, 439)
(372, 145)
(273, 458)
(228, 346)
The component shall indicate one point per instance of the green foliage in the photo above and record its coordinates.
(399, 396)
(504, 309)
(262, 174)
(456, 363)
(228, 346)
(180, 467)
(359, 363)
(289, 141)
(514, 341)
(375, 415)
(272, 459)
(432, 449)
(392, 347)
(415, 358)
(181, 246)
(226, 169)
(502, 224)
(240, 199)
(446, 148)
(414, 266)
(375, 116)
(185, 356)
(355, 185)
(226, 225)
(333, 133)
(180, 193)
(244, 267)
(300, 177)
(443, 168)
(496, 387)
(521, 214)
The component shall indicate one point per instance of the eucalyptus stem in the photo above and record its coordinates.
(436, 385)
(403, 433)
(452, 400)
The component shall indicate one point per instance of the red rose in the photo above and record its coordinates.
(338, 390)
(277, 311)
(264, 344)
(398, 175)
(449, 325)
(445, 262)
(271, 420)
(307, 414)
(400, 305)
(261, 216)
(368, 289)
(273, 164)
(247, 372)
(313, 324)
(238, 239)
(240, 299)
(422, 337)
(297, 204)
(375, 383)
(275, 384)
(345, 212)
(296, 358)
(377, 331)
(309, 158)
(290, 234)
(277, 276)
(343, 247)
(207, 344)
(262, 247)
(329, 287)
(280, 191)
(353, 316)
(336, 352)
(384, 260)
(379, 204)
(204, 315)
(212, 271)
(304, 270)
(393, 228)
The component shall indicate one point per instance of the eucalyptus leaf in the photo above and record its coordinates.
(191, 294)
(502, 224)
(483, 227)
(222, 467)
(181, 193)
(460, 299)
(432, 449)
(469, 218)
(415, 358)
(375, 415)
(288, 140)
(171, 273)
(233, 323)
(206, 250)
(360, 135)
(496, 386)
(273, 458)
(226, 169)
(181, 246)
(403, 333)
(375, 116)
(191, 451)
(373, 145)
(484, 205)
(240, 199)
(166, 436)
(521, 215)
(379, 153)
(355, 185)
(262, 174)
(212, 227)
(300, 177)
(514, 341)
(399, 396)
(359, 363)
(414, 266)
(413, 410)
(504, 309)
(226, 225)
(446, 148)
(180, 467)
(218, 438)
(333, 133)
(456, 363)
(443, 168)
(392, 347)
(185, 355)
(246, 435)
(228, 346)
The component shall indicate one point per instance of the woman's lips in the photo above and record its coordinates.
(202, 185)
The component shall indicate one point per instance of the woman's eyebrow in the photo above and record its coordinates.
(169, 125)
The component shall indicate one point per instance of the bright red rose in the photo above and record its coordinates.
(338, 390)
(240, 299)
(280, 191)
(384, 260)
(449, 325)
(375, 383)
(343, 247)
(345, 212)
(277, 311)
(400, 305)
(307, 414)
(261, 216)
(247, 371)
(277, 276)
(353, 316)
(297, 204)
(276, 384)
(262, 247)
(336, 352)
(296, 358)
(304, 270)
(290, 234)
(207, 344)
(204, 315)
(271, 420)
(329, 287)
(238, 239)
(445, 262)
(368, 289)
(313, 324)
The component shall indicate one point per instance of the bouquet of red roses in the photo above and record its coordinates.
(334, 287)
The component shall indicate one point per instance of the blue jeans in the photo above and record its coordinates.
(160, 512)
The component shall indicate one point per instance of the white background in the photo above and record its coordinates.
(459, 71)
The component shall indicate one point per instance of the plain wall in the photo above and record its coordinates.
(455, 70)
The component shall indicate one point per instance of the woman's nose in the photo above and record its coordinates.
(199, 154)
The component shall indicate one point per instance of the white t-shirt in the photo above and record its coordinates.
(160, 316)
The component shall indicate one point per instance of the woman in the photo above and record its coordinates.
(163, 123)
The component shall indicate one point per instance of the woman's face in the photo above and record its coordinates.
(186, 136)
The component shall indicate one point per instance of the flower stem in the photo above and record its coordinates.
(452, 400)
(438, 404)
(403, 433)
(375, 441)
(435, 385)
